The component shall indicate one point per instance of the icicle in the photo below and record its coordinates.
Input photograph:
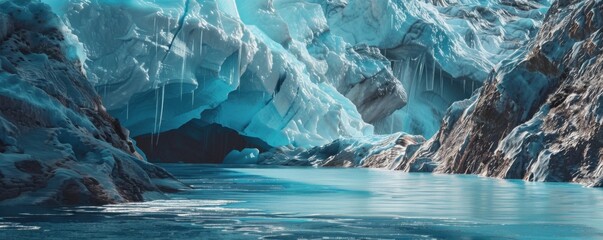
(398, 65)
(414, 78)
(156, 36)
(160, 114)
(464, 85)
(433, 76)
(441, 83)
(231, 76)
(127, 110)
(451, 81)
(155, 117)
(239, 64)
(400, 70)
(182, 74)
(193, 99)
(201, 43)
(407, 69)
(472, 86)
(416, 72)
(427, 80)
(421, 70)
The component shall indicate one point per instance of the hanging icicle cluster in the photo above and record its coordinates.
(415, 73)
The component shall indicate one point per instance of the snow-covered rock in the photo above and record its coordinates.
(539, 116)
(245, 156)
(58, 145)
(385, 151)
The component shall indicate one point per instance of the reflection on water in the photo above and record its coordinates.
(293, 203)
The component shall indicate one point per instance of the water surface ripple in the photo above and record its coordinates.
(307, 203)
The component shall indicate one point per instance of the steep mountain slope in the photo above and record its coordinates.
(58, 145)
(539, 117)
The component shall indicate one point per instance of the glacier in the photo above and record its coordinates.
(91, 89)
(298, 73)
(175, 60)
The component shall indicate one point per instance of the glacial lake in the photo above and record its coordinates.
(309, 203)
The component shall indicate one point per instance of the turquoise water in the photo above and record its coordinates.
(306, 203)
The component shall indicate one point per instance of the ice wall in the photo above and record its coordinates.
(440, 50)
(294, 72)
(160, 64)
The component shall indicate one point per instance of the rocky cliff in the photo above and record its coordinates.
(58, 145)
(539, 117)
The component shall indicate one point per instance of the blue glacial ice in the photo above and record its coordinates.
(300, 73)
